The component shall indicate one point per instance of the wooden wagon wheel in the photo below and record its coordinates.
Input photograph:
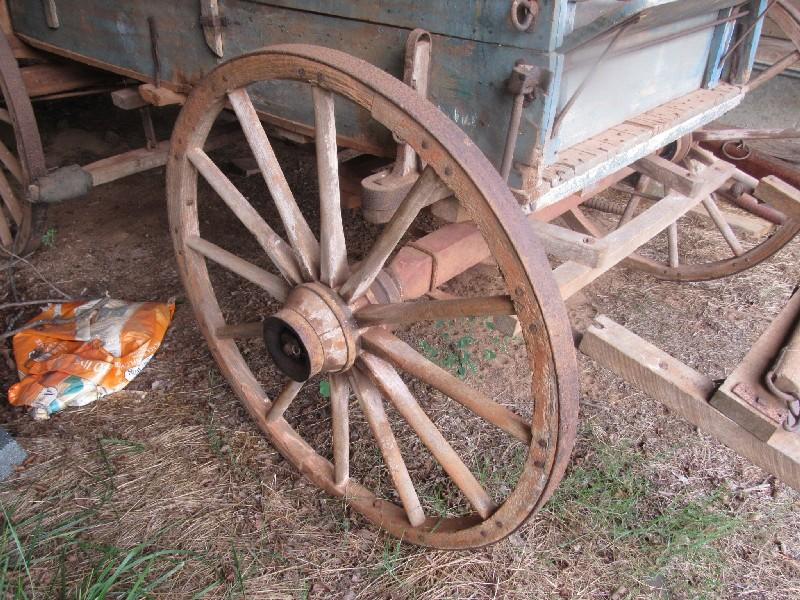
(318, 328)
(22, 160)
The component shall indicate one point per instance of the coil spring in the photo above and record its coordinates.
(604, 205)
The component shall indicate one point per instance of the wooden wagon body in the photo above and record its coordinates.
(660, 82)
(541, 105)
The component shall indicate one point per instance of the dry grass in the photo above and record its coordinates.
(179, 475)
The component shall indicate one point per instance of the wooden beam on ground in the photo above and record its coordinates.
(672, 176)
(687, 393)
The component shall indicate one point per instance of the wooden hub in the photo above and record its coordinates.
(313, 333)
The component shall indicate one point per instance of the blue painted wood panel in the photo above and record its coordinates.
(477, 20)
(468, 78)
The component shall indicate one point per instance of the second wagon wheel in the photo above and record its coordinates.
(731, 230)
(435, 454)
(21, 160)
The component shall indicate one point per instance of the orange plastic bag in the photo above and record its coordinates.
(91, 349)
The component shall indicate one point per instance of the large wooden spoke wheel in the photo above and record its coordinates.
(336, 315)
(21, 161)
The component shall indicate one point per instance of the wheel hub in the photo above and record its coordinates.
(313, 333)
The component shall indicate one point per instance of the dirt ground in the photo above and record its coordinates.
(170, 481)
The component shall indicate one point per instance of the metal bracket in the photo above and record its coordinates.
(523, 83)
(213, 24)
(383, 191)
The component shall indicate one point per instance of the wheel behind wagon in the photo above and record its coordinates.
(420, 448)
(21, 161)
(731, 231)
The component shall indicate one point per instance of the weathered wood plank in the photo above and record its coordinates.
(669, 174)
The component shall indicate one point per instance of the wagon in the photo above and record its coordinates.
(479, 132)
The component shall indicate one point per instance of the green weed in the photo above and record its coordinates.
(49, 237)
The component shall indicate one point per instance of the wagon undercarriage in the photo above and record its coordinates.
(559, 138)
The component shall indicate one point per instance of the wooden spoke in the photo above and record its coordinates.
(725, 229)
(10, 200)
(428, 189)
(333, 252)
(5, 117)
(672, 239)
(240, 331)
(392, 386)
(299, 233)
(371, 404)
(273, 284)
(283, 401)
(340, 396)
(10, 162)
(6, 239)
(412, 312)
(279, 251)
(394, 350)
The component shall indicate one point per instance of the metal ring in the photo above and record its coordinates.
(741, 146)
(523, 13)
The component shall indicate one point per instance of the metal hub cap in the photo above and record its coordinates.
(313, 333)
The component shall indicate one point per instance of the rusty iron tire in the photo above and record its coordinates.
(522, 261)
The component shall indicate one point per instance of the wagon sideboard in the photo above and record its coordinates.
(656, 55)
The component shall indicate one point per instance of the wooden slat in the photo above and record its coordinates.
(56, 78)
(6, 239)
(11, 162)
(780, 195)
(566, 244)
(272, 284)
(297, 230)
(160, 96)
(395, 351)
(687, 393)
(240, 331)
(372, 406)
(282, 402)
(340, 428)
(333, 252)
(278, 251)
(412, 312)
(670, 175)
(619, 244)
(10, 200)
(393, 387)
